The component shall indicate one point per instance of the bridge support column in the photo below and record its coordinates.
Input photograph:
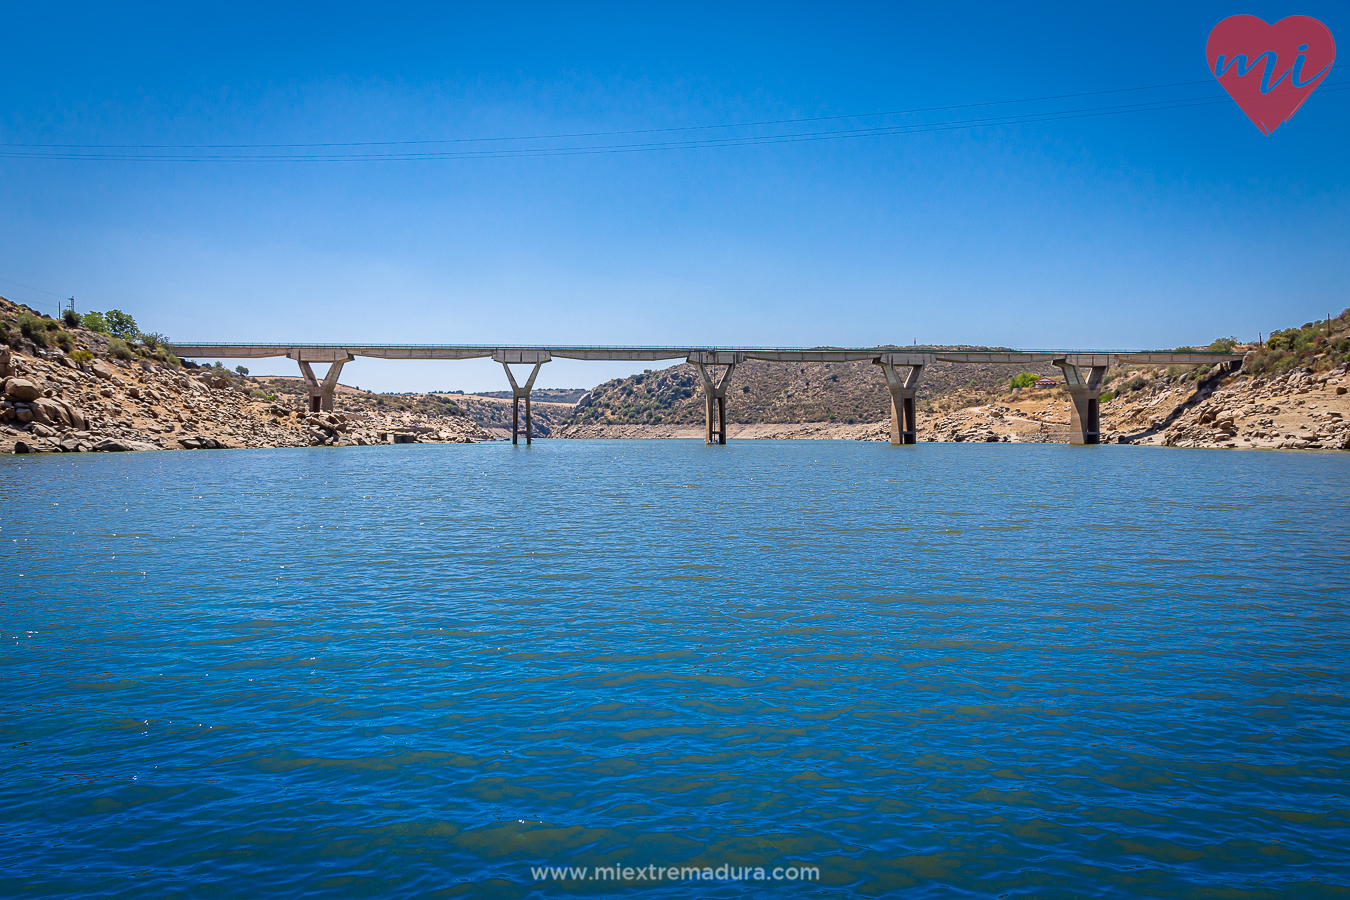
(904, 421)
(1083, 375)
(321, 392)
(904, 416)
(715, 391)
(521, 392)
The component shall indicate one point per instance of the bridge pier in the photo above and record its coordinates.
(904, 417)
(321, 392)
(1083, 376)
(521, 392)
(715, 391)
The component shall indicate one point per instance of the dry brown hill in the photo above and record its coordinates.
(766, 392)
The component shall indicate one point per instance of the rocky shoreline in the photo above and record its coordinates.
(53, 404)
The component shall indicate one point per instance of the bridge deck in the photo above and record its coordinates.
(533, 353)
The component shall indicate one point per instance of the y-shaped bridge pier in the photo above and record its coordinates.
(1084, 371)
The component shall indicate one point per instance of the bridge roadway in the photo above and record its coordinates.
(1084, 371)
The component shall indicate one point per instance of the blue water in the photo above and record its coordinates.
(933, 671)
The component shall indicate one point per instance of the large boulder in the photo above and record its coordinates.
(78, 420)
(22, 389)
(197, 442)
(49, 411)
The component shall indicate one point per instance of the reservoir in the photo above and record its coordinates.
(944, 670)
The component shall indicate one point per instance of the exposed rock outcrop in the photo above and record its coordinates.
(77, 401)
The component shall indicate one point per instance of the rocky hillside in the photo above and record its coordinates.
(764, 393)
(1290, 393)
(69, 388)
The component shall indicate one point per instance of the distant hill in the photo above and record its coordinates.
(785, 392)
(539, 395)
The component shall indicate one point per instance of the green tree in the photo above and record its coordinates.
(242, 370)
(1025, 379)
(94, 321)
(121, 325)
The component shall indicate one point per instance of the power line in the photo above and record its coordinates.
(31, 288)
(583, 134)
(74, 151)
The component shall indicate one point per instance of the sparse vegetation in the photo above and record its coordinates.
(118, 349)
(1317, 345)
(37, 329)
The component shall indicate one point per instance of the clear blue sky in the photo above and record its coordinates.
(1147, 229)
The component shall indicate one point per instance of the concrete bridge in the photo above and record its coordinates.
(1084, 371)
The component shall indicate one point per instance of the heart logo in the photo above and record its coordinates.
(1270, 69)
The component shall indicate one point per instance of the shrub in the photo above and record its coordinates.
(118, 349)
(36, 329)
(1134, 384)
(1025, 379)
(71, 318)
(94, 321)
(81, 357)
(1222, 345)
(4, 332)
(65, 341)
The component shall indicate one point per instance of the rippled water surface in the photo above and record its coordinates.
(418, 671)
